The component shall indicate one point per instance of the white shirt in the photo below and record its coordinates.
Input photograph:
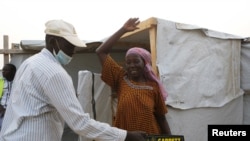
(42, 97)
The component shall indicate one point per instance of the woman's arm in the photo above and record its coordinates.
(104, 49)
(163, 123)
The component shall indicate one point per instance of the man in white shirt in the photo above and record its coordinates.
(43, 96)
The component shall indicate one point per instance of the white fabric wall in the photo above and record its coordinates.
(245, 80)
(246, 109)
(245, 66)
(193, 123)
(102, 97)
(198, 70)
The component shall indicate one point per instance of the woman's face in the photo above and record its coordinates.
(135, 66)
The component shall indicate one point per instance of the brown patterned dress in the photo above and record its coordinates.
(138, 103)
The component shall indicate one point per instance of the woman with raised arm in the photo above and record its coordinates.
(141, 96)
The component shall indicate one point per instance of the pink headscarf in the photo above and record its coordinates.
(146, 56)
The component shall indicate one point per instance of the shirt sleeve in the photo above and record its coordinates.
(111, 72)
(61, 95)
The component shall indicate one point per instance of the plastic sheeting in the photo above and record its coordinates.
(246, 109)
(101, 93)
(245, 79)
(193, 123)
(101, 97)
(245, 66)
(198, 70)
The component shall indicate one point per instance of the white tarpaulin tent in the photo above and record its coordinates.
(205, 73)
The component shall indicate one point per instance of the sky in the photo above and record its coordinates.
(98, 19)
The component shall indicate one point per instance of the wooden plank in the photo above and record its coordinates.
(6, 47)
(16, 51)
(152, 38)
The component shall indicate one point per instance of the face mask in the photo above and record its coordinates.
(61, 57)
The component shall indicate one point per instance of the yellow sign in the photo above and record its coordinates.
(165, 138)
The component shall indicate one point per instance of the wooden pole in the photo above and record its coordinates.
(5, 47)
(152, 38)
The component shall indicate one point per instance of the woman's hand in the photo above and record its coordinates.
(136, 136)
(131, 24)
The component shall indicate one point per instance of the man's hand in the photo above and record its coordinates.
(136, 136)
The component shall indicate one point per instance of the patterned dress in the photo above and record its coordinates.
(138, 103)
